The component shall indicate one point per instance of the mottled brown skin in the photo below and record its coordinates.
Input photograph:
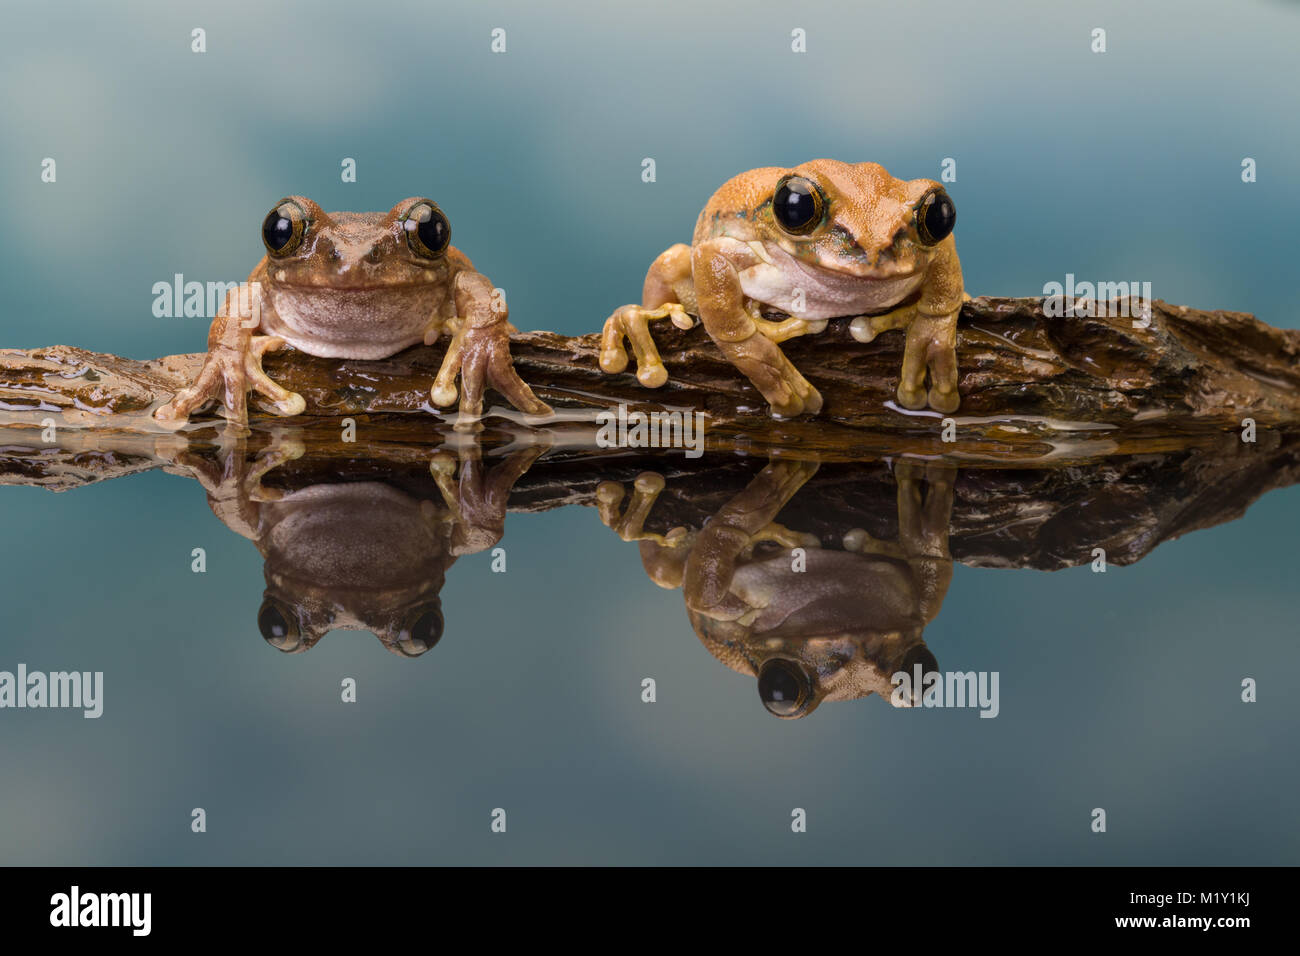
(865, 259)
(354, 288)
(355, 555)
(845, 624)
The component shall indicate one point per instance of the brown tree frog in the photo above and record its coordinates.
(778, 252)
(837, 626)
(357, 286)
(367, 555)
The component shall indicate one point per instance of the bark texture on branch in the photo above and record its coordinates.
(1024, 377)
(1041, 516)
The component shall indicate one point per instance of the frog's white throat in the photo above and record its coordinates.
(358, 323)
(805, 292)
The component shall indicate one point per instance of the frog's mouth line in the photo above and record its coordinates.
(811, 271)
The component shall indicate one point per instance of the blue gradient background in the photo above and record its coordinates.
(1118, 690)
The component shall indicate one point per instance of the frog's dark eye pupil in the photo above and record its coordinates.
(797, 205)
(782, 687)
(936, 217)
(428, 629)
(277, 230)
(283, 228)
(428, 231)
(276, 628)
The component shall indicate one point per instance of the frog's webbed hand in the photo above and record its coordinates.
(730, 325)
(659, 300)
(742, 522)
(662, 555)
(232, 368)
(232, 482)
(632, 322)
(479, 352)
(630, 525)
(477, 502)
(923, 523)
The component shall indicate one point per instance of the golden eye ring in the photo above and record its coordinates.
(935, 217)
(428, 233)
(798, 205)
(283, 228)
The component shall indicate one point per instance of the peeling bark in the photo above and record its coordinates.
(1026, 379)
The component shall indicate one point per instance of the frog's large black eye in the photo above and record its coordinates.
(279, 625)
(935, 217)
(797, 205)
(425, 632)
(283, 228)
(427, 230)
(784, 688)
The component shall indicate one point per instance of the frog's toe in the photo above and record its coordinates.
(913, 398)
(682, 319)
(171, 418)
(652, 374)
(443, 395)
(944, 400)
(442, 464)
(862, 329)
(613, 360)
(793, 407)
(292, 404)
(812, 402)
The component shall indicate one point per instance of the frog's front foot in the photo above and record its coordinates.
(480, 354)
(630, 526)
(788, 393)
(931, 344)
(631, 322)
(477, 502)
(227, 376)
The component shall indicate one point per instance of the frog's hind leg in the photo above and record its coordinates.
(668, 276)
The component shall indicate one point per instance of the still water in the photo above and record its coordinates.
(514, 649)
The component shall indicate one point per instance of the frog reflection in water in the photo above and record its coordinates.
(837, 630)
(357, 286)
(359, 555)
(821, 241)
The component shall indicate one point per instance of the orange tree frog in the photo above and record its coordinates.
(357, 286)
(777, 252)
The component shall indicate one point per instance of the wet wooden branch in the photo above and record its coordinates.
(1046, 516)
(1025, 377)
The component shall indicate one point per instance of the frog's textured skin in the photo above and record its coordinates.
(354, 555)
(358, 286)
(876, 248)
(836, 628)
